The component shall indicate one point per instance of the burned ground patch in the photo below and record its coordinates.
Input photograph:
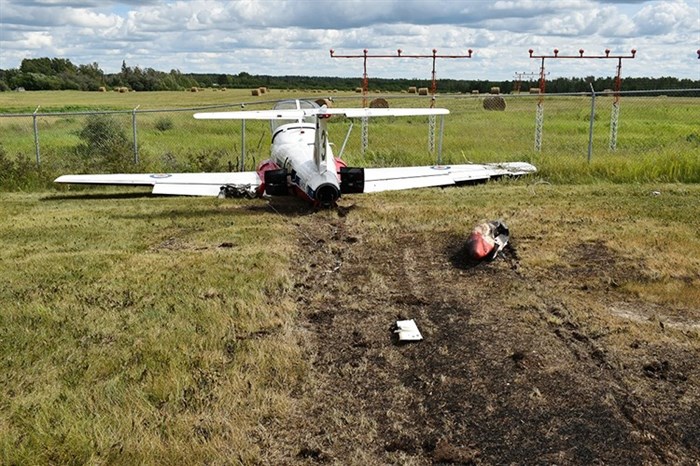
(517, 365)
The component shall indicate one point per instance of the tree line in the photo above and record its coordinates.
(60, 74)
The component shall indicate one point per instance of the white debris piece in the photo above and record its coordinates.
(407, 330)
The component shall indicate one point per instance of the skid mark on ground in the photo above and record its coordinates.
(517, 366)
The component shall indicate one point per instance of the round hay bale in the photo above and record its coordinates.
(475, 91)
(358, 90)
(194, 89)
(495, 90)
(102, 89)
(379, 103)
(262, 90)
(255, 92)
(534, 90)
(412, 90)
(123, 90)
(327, 102)
(494, 103)
(422, 91)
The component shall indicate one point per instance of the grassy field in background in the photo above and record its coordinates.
(163, 330)
(658, 138)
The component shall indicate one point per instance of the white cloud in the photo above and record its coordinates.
(35, 40)
(668, 17)
(294, 36)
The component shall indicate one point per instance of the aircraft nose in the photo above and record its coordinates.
(327, 194)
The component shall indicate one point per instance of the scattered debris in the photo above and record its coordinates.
(407, 330)
(487, 240)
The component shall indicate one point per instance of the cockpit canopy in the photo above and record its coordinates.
(295, 104)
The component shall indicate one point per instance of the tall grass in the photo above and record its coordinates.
(658, 138)
(141, 333)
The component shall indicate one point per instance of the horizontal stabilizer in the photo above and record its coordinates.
(303, 113)
(253, 115)
(382, 112)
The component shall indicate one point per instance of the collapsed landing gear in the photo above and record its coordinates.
(276, 182)
(352, 180)
(237, 191)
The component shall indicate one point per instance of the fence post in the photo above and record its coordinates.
(133, 125)
(442, 131)
(36, 138)
(590, 126)
(242, 167)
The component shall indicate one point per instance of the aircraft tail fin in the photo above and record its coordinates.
(322, 158)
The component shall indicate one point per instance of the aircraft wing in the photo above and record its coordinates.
(179, 184)
(391, 179)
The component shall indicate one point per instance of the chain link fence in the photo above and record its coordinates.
(651, 135)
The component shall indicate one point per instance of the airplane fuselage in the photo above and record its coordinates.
(302, 162)
(302, 158)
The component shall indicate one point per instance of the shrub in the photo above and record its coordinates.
(21, 173)
(164, 123)
(105, 147)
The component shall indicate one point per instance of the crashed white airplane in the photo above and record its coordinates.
(302, 162)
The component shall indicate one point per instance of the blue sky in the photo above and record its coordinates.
(281, 37)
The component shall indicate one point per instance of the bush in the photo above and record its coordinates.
(208, 161)
(164, 124)
(106, 147)
(21, 173)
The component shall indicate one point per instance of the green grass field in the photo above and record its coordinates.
(164, 330)
(128, 322)
(657, 139)
(168, 330)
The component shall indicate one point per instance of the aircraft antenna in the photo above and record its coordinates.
(616, 101)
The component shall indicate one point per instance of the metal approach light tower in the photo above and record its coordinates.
(433, 90)
(399, 54)
(519, 78)
(616, 102)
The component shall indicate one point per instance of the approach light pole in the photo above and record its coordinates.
(365, 89)
(519, 78)
(434, 56)
(539, 119)
(433, 90)
(399, 54)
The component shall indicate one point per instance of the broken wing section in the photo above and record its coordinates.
(392, 179)
(178, 184)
